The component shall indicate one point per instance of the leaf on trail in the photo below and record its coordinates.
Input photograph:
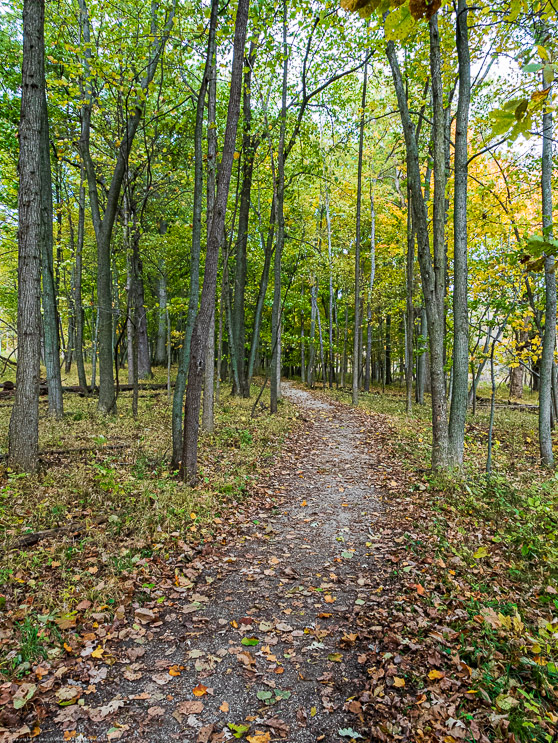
(480, 553)
(335, 657)
(420, 589)
(348, 555)
(199, 690)
(360, 602)
(313, 711)
(349, 733)
(145, 615)
(156, 711)
(68, 694)
(205, 734)
(329, 599)
(259, 737)
(190, 707)
(249, 641)
(399, 682)
(264, 695)
(97, 714)
(224, 707)
(174, 670)
(238, 730)
(434, 674)
(98, 652)
(23, 695)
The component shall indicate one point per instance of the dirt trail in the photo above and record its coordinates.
(298, 579)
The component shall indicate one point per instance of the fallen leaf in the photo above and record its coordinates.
(399, 682)
(199, 690)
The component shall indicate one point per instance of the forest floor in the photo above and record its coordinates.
(345, 598)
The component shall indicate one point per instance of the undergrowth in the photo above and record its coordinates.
(501, 531)
(128, 511)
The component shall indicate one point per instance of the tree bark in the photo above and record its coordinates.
(249, 146)
(24, 420)
(48, 293)
(549, 335)
(184, 359)
(207, 303)
(431, 267)
(208, 412)
(356, 339)
(275, 390)
(458, 409)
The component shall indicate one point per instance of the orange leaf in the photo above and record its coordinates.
(420, 589)
(199, 690)
(174, 671)
(224, 707)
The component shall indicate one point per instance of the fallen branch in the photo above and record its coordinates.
(75, 528)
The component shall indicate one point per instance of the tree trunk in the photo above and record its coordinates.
(24, 420)
(356, 339)
(161, 347)
(78, 274)
(549, 335)
(249, 145)
(421, 359)
(460, 379)
(207, 304)
(184, 359)
(431, 267)
(48, 293)
(280, 219)
(312, 347)
(268, 253)
(208, 412)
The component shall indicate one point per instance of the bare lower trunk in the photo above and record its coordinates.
(549, 335)
(356, 339)
(207, 304)
(24, 420)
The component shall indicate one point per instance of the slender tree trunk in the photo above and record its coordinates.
(421, 360)
(208, 412)
(330, 270)
(207, 303)
(409, 313)
(549, 335)
(48, 293)
(312, 347)
(458, 410)
(24, 420)
(322, 356)
(78, 276)
(184, 359)
(356, 340)
(161, 347)
(280, 197)
(249, 145)
(302, 343)
(345, 338)
(268, 253)
(431, 267)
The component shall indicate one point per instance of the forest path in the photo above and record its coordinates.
(269, 637)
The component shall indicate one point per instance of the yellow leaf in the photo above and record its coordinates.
(313, 712)
(259, 737)
(398, 681)
(236, 155)
(435, 675)
(199, 690)
(174, 671)
(193, 516)
(98, 652)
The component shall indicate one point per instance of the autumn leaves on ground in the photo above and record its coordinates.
(316, 585)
